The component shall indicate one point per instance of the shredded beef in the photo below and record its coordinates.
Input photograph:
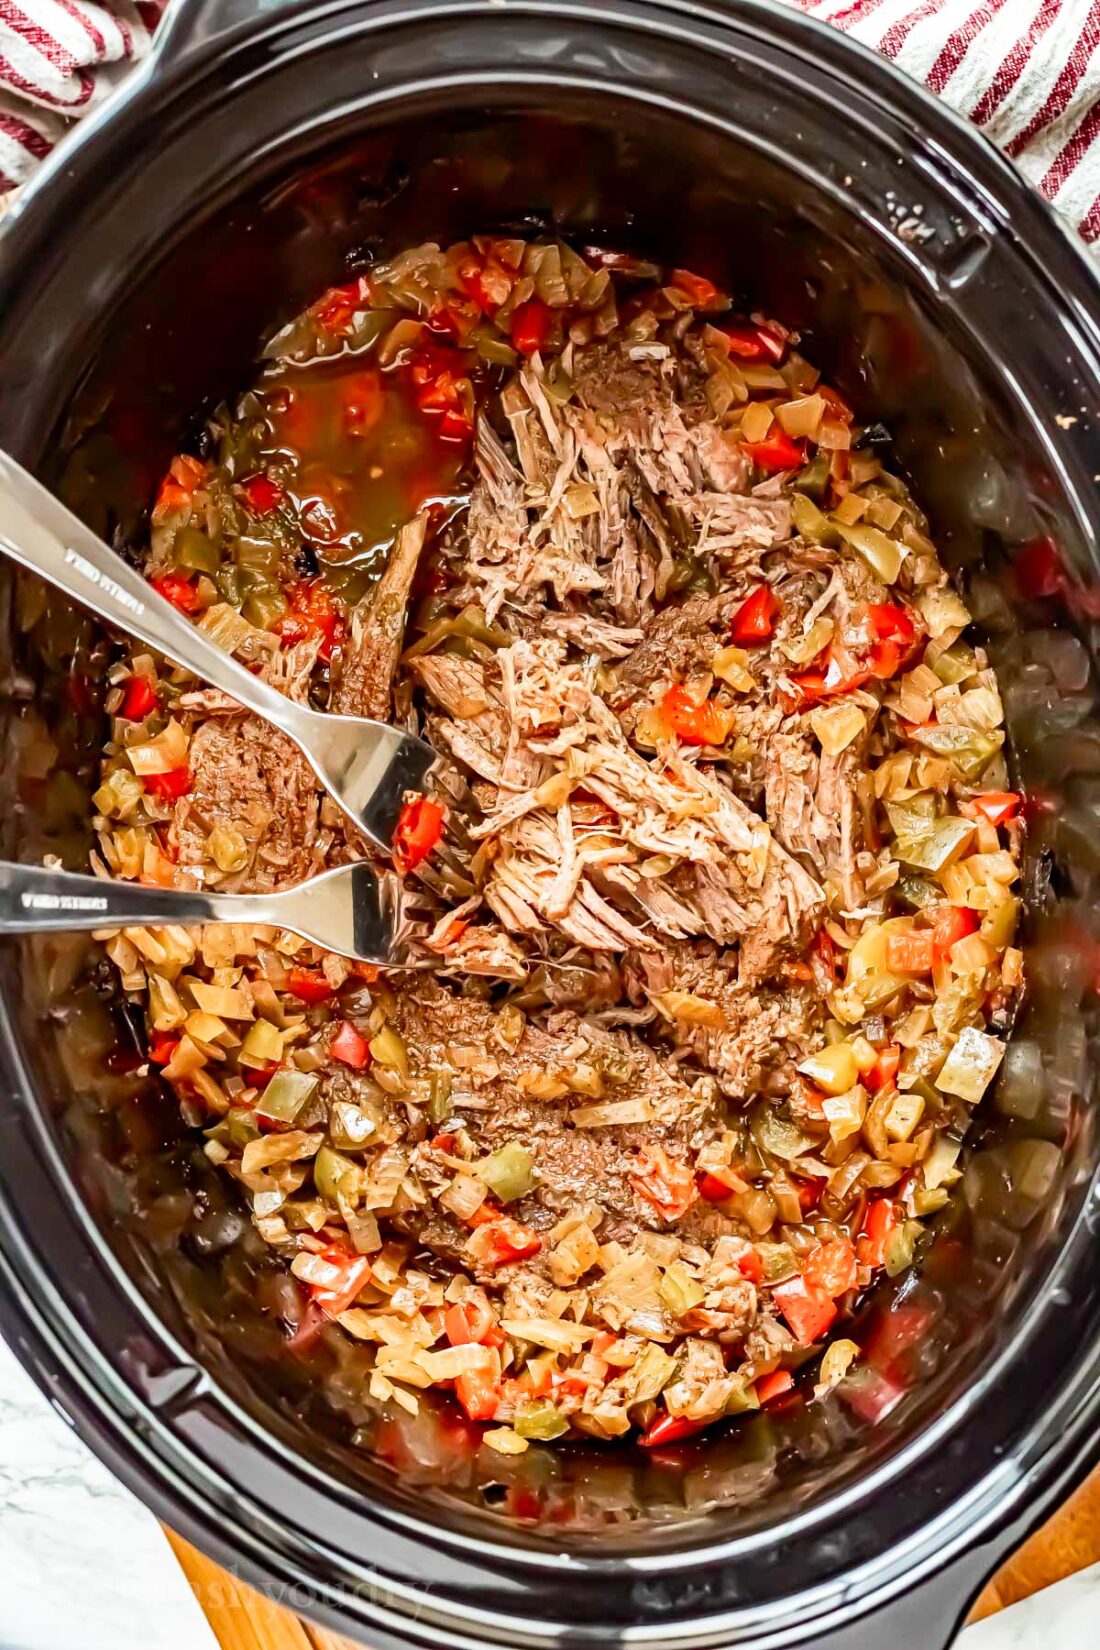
(576, 1166)
(377, 626)
(248, 776)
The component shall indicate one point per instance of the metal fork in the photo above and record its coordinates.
(353, 910)
(366, 766)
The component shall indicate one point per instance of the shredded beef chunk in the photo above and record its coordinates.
(706, 977)
(252, 784)
(377, 626)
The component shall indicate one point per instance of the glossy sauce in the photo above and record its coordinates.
(366, 457)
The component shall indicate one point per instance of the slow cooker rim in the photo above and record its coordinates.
(745, 5)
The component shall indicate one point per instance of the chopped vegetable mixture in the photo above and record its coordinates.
(726, 957)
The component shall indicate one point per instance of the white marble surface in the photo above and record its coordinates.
(85, 1567)
(1063, 1617)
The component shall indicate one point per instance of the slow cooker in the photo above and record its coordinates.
(262, 153)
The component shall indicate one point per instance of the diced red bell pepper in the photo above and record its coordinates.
(448, 932)
(894, 640)
(335, 310)
(478, 1390)
(352, 1272)
(162, 1046)
(180, 591)
(871, 1395)
(831, 1268)
(951, 924)
(665, 1183)
(438, 375)
(312, 610)
(472, 1322)
(307, 1330)
(455, 424)
(773, 1386)
(750, 342)
(894, 637)
(692, 722)
(170, 497)
(168, 787)
(696, 288)
(78, 692)
(909, 952)
(751, 1265)
(261, 494)
(712, 1189)
(887, 621)
(809, 1312)
(485, 280)
(309, 985)
(879, 1220)
(178, 487)
(350, 1046)
(418, 829)
(454, 317)
(139, 699)
(810, 1190)
(812, 687)
(755, 620)
(531, 325)
(436, 390)
(896, 1331)
(1039, 571)
(998, 807)
(885, 1068)
(776, 452)
(669, 1429)
(503, 1241)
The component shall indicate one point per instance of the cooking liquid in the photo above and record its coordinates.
(367, 458)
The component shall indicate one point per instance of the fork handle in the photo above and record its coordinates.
(41, 534)
(36, 900)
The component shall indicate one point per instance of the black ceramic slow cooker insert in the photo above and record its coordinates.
(262, 154)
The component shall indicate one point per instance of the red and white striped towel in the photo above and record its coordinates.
(59, 59)
(1026, 71)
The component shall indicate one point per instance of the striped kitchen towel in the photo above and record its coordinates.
(1026, 71)
(58, 60)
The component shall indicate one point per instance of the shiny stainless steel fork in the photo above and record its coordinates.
(366, 766)
(353, 910)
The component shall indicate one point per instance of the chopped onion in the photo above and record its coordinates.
(164, 754)
(837, 725)
(833, 1068)
(695, 1011)
(608, 1113)
(679, 1290)
(278, 1148)
(228, 1002)
(555, 1334)
(971, 1065)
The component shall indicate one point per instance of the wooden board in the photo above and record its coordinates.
(243, 1619)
